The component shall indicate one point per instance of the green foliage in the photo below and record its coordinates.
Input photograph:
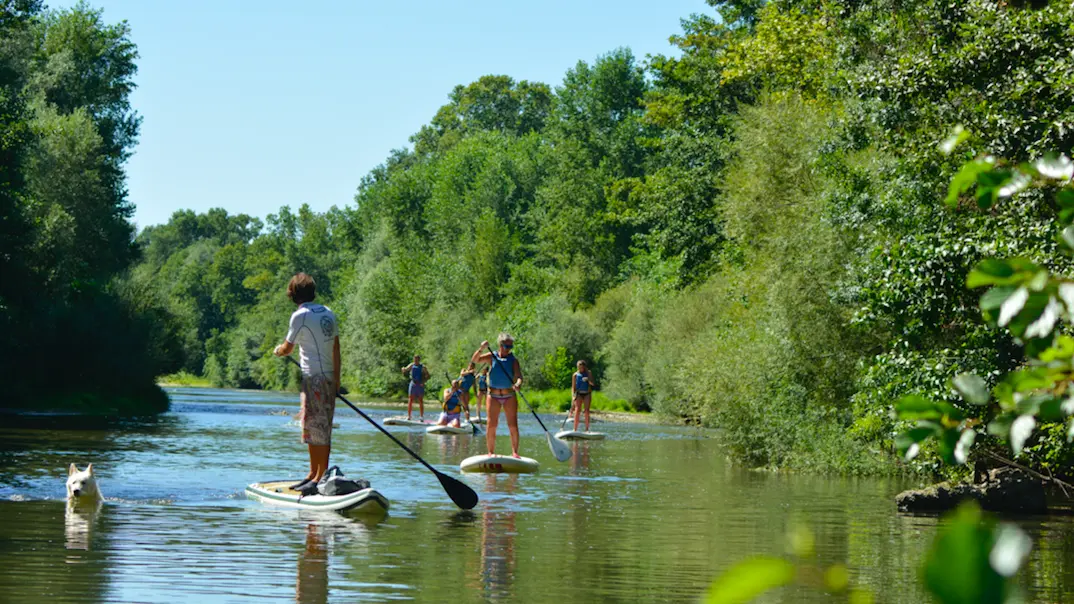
(750, 578)
(973, 558)
(1027, 300)
(557, 369)
(66, 127)
(557, 401)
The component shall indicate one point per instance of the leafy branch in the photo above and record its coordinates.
(1021, 296)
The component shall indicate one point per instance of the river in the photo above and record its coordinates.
(653, 513)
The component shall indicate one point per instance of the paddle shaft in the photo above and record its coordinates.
(512, 380)
(379, 427)
(569, 411)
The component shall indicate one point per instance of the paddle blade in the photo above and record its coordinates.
(462, 495)
(559, 448)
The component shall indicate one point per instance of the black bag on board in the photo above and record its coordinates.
(335, 483)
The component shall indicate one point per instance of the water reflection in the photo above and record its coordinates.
(312, 583)
(79, 521)
(579, 456)
(498, 532)
(452, 447)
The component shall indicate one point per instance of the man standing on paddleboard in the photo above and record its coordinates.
(314, 328)
(505, 378)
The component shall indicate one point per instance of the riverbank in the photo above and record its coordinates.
(143, 402)
(546, 401)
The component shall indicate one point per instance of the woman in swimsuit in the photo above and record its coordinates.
(505, 378)
(581, 393)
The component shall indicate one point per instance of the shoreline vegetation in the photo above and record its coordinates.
(545, 401)
(748, 235)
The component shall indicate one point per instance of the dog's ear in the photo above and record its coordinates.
(71, 470)
(89, 469)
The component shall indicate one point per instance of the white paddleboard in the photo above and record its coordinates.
(403, 421)
(578, 434)
(463, 429)
(499, 463)
(479, 420)
(366, 501)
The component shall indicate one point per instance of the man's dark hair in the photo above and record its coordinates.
(301, 289)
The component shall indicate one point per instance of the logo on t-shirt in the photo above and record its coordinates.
(328, 327)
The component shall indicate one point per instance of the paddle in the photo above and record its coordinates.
(473, 426)
(462, 495)
(569, 411)
(559, 448)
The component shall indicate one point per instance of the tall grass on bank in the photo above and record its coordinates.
(560, 401)
(185, 379)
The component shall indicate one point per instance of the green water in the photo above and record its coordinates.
(651, 514)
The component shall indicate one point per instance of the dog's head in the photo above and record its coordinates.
(81, 483)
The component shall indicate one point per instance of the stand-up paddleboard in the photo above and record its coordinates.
(403, 421)
(579, 435)
(499, 463)
(479, 420)
(463, 429)
(365, 501)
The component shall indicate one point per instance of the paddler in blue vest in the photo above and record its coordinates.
(505, 378)
(482, 388)
(468, 378)
(453, 406)
(581, 393)
(416, 390)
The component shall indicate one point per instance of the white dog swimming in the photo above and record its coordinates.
(82, 485)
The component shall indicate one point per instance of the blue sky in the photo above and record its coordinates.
(250, 106)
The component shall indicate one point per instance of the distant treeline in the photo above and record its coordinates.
(748, 235)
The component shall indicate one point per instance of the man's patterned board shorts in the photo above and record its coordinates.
(318, 409)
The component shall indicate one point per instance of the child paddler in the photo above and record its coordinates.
(452, 406)
(313, 327)
(468, 378)
(505, 378)
(416, 390)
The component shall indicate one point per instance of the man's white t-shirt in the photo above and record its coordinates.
(314, 329)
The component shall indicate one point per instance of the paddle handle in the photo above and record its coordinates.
(512, 380)
(377, 426)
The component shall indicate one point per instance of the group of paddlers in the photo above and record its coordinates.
(496, 383)
(314, 331)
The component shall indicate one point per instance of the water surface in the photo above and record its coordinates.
(653, 513)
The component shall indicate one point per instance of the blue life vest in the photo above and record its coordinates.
(452, 404)
(502, 374)
(467, 382)
(580, 385)
(416, 373)
(482, 382)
